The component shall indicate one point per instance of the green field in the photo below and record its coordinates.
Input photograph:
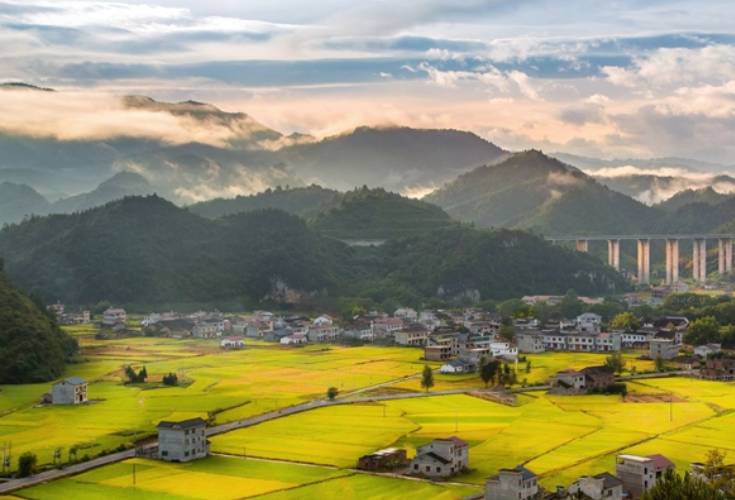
(220, 478)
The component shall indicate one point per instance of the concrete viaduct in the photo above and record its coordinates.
(699, 254)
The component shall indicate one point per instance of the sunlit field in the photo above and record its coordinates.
(220, 478)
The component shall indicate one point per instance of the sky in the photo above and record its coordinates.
(611, 79)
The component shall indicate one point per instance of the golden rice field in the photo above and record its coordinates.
(220, 478)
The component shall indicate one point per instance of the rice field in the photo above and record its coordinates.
(221, 478)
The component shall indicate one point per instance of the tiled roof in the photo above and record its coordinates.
(73, 381)
(184, 424)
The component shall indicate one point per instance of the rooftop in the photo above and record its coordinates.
(73, 381)
(184, 424)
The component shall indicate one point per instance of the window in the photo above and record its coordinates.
(164, 453)
(186, 453)
(428, 468)
(438, 469)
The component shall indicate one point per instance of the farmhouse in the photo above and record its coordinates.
(665, 348)
(389, 458)
(237, 342)
(72, 391)
(598, 377)
(458, 367)
(325, 333)
(173, 328)
(704, 350)
(415, 334)
(718, 369)
(206, 330)
(441, 458)
(603, 486)
(568, 382)
(530, 342)
(295, 339)
(112, 317)
(512, 484)
(182, 441)
(638, 474)
(438, 352)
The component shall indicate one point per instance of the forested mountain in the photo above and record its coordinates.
(532, 190)
(32, 346)
(18, 201)
(119, 186)
(376, 214)
(705, 195)
(297, 201)
(148, 251)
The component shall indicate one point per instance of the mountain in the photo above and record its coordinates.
(531, 190)
(398, 159)
(297, 201)
(23, 86)
(376, 214)
(696, 218)
(18, 201)
(32, 346)
(119, 186)
(705, 195)
(587, 163)
(145, 251)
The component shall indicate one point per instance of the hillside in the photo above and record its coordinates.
(376, 214)
(531, 190)
(32, 346)
(297, 201)
(148, 251)
(705, 195)
(462, 262)
(119, 186)
(18, 201)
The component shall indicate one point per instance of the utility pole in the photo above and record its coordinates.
(133, 473)
(456, 419)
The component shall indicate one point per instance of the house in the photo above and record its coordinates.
(588, 322)
(323, 320)
(389, 458)
(295, 339)
(718, 369)
(603, 486)
(236, 342)
(363, 333)
(182, 441)
(530, 342)
(504, 350)
(57, 309)
(661, 464)
(437, 352)
(406, 312)
(458, 367)
(598, 377)
(112, 317)
(172, 328)
(568, 382)
(441, 458)
(206, 330)
(80, 317)
(71, 391)
(415, 334)
(387, 326)
(638, 474)
(513, 484)
(325, 333)
(277, 335)
(665, 348)
(705, 350)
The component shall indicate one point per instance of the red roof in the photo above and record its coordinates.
(661, 462)
(457, 442)
(234, 339)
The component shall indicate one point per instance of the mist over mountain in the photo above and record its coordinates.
(18, 201)
(705, 195)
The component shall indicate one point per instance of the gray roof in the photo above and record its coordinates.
(525, 473)
(184, 424)
(73, 381)
(609, 481)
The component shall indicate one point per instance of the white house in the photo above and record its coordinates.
(603, 486)
(512, 484)
(441, 458)
(206, 330)
(326, 333)
(323, 320)
(504, 350)
(703, 350)
(182, 441)
(295, 339)
(589, 322)
(406, 312)
(71, 391)
(112, 317)
(236, 342)
(458, 367)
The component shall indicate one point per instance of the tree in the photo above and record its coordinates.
(506, 333)
(570, 306)
(675, 487)
(715, 470)
(332, 393)
(488, 371)
(427, 378)
(616, 362)
(27, 464)
(528, 367)
(703, 331)
(170, 379)
(625, 320)
(659, 362)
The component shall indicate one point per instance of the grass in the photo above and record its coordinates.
(221, 478)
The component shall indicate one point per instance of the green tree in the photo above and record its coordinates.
(703, 331)
(27, 463)
(427, 378)
(332, 393)
(625, 320)
(616, 362)
(488, 371)
(675, 487)
(506, 333)
(659, 363)
(570, 306)
(528, 367)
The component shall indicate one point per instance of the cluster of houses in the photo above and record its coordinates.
(78, 317)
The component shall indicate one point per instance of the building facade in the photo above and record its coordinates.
(182, 441)
(71, 391)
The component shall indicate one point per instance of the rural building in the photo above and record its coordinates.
(182, 441)
(414, 334)
(638, 474)
(666, 348)
(512, 484)
(295, 339)
(718, 369)
(441, 458)
(530, 342)
(458, 367)
(389, 458)
(568, 382)
(704, 350)
(173, 328)
(437, 352)
(504, 350)
(112, 317)
(236, 342)
(71, 391)
(588, 322)
(325, 333)
(206, 330)
(661, 465)
(598, 377)
(603, 486)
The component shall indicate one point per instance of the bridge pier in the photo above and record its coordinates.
(613, 254)
(699, 259)
(644, 262)
(672, 261)
(725, 255)
(582, 246)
